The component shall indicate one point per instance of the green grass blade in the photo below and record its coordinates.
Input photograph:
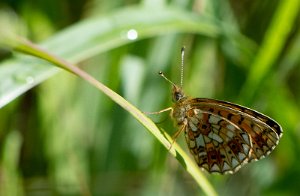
(273, 43)
(11, 182)
(94, 36)
(32, 49)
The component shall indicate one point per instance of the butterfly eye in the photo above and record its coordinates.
(177, 96)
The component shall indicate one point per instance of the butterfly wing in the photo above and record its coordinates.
(223, 136)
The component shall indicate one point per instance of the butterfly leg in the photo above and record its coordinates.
(158, 112)
(175, 136)
(161, 111)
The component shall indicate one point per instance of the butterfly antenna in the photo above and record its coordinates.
(182, 65)
(181, 74)
(162, 75)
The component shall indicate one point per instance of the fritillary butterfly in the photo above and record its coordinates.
(222, 136)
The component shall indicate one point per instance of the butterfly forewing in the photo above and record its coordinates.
(223, 136)
(270, 122)
(264, 131)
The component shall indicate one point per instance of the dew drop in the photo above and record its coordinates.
(132, 34)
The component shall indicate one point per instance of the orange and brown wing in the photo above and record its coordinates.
(223, 136)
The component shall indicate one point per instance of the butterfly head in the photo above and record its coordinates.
(177, 93)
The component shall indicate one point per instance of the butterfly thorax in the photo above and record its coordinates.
(180, 107)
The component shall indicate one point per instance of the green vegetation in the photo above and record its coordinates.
(59, 135)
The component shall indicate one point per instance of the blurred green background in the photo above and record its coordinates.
(64, 137)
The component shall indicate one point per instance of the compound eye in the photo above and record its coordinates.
(177, 96)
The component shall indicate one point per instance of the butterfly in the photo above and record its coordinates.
(222, 136)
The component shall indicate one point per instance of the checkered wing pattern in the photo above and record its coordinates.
(223, 136)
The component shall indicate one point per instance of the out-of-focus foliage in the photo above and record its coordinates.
(64, 137)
